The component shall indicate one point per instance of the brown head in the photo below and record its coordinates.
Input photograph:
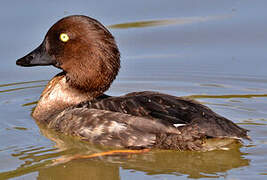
(84, 49)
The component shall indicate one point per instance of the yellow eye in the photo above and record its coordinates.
(64, 37)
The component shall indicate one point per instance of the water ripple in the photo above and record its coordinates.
(17, 84)
(21, 83)
(164, 22)
(226, 96)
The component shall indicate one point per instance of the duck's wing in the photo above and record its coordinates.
(174, 111)
(110, 128)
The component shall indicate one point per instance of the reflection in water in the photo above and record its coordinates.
(193, 164)
(177, 21)
(81, 170)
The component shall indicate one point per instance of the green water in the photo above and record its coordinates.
(212, 51)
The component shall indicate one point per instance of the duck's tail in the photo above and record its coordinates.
(195, 138)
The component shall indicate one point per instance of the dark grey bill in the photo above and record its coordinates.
(38, 57)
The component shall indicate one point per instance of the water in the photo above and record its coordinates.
(213, 51)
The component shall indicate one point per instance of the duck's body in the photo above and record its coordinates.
(73, 101)
(147, 120)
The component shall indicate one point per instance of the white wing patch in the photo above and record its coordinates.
(116, 127)
(178, 125)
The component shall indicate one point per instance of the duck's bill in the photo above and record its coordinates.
(38, 57)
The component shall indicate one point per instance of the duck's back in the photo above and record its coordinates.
(146, 119)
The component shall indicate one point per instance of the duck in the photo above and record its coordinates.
(74, 101)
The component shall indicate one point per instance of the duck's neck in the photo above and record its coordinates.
(57, 96)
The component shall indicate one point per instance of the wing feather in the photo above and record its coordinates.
(171, 110)
(110, 128)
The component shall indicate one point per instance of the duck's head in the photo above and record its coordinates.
(83, 48)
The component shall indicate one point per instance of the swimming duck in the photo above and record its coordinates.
(74, 102)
